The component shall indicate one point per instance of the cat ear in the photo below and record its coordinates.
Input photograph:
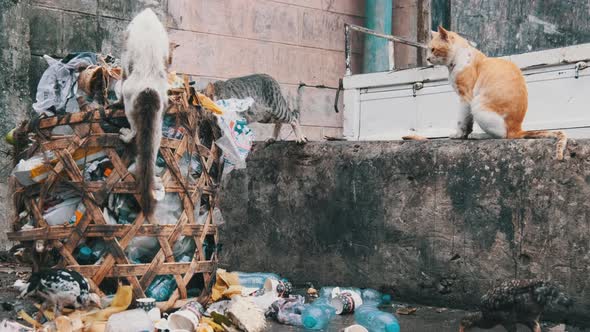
(433, 34)
(444, 34)
(210, 91)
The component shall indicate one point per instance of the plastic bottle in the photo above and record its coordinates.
(317, 315)
(84, 255)
(326, 292)
(375, 297)
(163, 286)
(255, 280)
(368, 295)
(98, 250)
(376, 320)
(77, 216)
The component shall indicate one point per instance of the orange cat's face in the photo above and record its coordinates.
(440, 48)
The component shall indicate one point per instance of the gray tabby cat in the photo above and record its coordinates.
(269, 106)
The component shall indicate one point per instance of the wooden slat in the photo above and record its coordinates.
(127, 270)
(77, 118)
(131, 187)
(170, 259)
(95, 230)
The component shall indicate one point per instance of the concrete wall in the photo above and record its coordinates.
(15, 98)
(502, 27)
(435, 222)
(294, 41)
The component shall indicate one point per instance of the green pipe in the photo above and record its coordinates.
(378, 17)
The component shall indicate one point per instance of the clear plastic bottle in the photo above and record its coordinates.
(256, 279)
(368, 295)
(376, 320)
(375, 297)
(98, 249)
(317, 315)
(327, 292)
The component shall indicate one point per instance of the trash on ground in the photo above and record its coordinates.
(374, 320)
(406, 311)
(355, 328)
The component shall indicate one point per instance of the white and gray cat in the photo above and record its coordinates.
(269, 106)
(144, 90)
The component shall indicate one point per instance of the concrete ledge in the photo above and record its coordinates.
(436, 222)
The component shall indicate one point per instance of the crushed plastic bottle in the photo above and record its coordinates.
(375, 320)
(372, 296)
(330, 292)
(317, 315)
(367, 295)
(255, 280)
(163, 286)
(287, 310)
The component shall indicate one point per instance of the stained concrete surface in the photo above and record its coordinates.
(436, 222)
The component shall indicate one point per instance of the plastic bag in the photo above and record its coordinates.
(57, 88)
(237, 138)
(168, 210)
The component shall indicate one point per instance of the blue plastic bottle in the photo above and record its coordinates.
(163, 286)
(84, 255)
(376, 320)
(255, 280)
(317, 315)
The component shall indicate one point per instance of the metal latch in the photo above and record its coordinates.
(417, 86)
(580, 66)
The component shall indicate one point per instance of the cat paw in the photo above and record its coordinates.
(302, 140)
(458, 135)
(126, 135)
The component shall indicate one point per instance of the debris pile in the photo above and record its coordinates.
(76, 194)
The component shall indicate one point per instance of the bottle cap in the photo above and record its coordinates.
(85, 252)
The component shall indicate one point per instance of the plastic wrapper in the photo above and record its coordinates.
(237, 138)
(56, 91)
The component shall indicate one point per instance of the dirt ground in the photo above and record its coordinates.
(425, 319)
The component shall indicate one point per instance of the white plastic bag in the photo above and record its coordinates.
(237, 138)
(57, 88)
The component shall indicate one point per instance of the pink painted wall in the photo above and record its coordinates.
(292, 40)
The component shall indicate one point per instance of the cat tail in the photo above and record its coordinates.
(560, 137)
(147, 105)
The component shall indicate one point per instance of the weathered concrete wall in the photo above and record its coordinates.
(502, 27)
(15, 99)
(436, 222)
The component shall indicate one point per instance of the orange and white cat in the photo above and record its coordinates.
(493, 91)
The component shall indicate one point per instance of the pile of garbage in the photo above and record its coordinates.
(239, 302)
(85, 82)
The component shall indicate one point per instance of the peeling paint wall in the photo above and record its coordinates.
(503, 27)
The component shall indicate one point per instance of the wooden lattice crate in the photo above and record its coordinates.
(88, 132)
